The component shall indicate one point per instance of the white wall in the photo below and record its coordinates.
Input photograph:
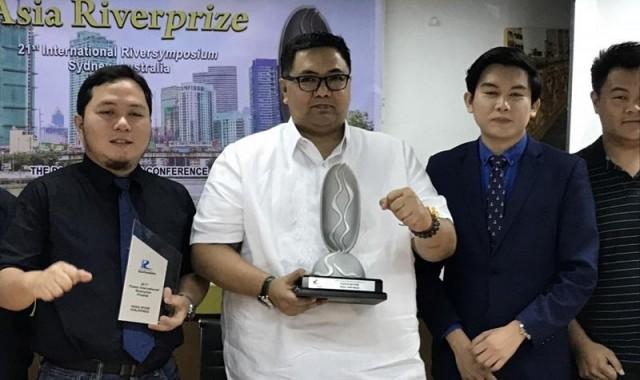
(598, 24)
(425, 66)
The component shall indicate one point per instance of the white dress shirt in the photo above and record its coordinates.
(265, 191)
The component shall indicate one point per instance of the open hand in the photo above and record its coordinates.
(596, 362)
(493, 348)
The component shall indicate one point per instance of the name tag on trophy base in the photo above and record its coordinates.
(341, 289)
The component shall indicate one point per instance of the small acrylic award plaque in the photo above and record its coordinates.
(152, 265)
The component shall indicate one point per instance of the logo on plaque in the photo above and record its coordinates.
(339, 275)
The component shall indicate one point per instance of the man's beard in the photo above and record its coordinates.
(117, 165)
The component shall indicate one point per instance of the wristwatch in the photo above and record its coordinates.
(435, 225)
(191, 309)
(263, 297)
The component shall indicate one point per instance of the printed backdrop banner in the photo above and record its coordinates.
(212, 67)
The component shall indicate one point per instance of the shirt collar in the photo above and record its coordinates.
(610, 165)
(103, 178)
(292, 138)
(512, 154)
(595, 155)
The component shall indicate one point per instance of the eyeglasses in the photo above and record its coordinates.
(311, 83)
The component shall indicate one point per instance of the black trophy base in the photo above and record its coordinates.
(365, 291)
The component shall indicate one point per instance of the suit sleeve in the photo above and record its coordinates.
(577, 247)
(434, 306)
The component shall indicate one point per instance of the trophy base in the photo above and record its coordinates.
(341, 289)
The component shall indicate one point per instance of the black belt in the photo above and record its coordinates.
(95, 366)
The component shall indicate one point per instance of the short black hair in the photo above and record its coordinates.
(506, 56)
(110, 74)
(310, 41)
(625, 55)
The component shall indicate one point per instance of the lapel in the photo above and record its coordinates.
(473, 194)
(525, 179)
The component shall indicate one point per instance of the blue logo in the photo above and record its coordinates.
(144, 264)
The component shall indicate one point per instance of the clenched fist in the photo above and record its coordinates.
(407, 208)
(53, 282)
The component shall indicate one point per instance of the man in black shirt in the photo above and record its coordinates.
(63, 252)
(606, 336)
(15, 356)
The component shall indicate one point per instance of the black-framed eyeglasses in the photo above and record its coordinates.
(311, 83)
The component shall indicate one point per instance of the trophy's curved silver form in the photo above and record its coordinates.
(340, 220)
(339, 276)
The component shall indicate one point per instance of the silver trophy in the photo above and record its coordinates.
(339, 276)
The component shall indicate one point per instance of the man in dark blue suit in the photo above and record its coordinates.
(526, 259)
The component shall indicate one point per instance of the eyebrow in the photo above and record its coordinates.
(112, 103)
(332, 71)
(619, 89)
(491, 85)
(519, 87)
(106, 103)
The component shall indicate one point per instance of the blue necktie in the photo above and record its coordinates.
(136, 338)
(496, 192)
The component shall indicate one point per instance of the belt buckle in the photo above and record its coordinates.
(127, 370)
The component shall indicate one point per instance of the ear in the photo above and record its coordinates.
(79, 123)
(283, 91)
(468, 101)
(534, 108)
(595, 99)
